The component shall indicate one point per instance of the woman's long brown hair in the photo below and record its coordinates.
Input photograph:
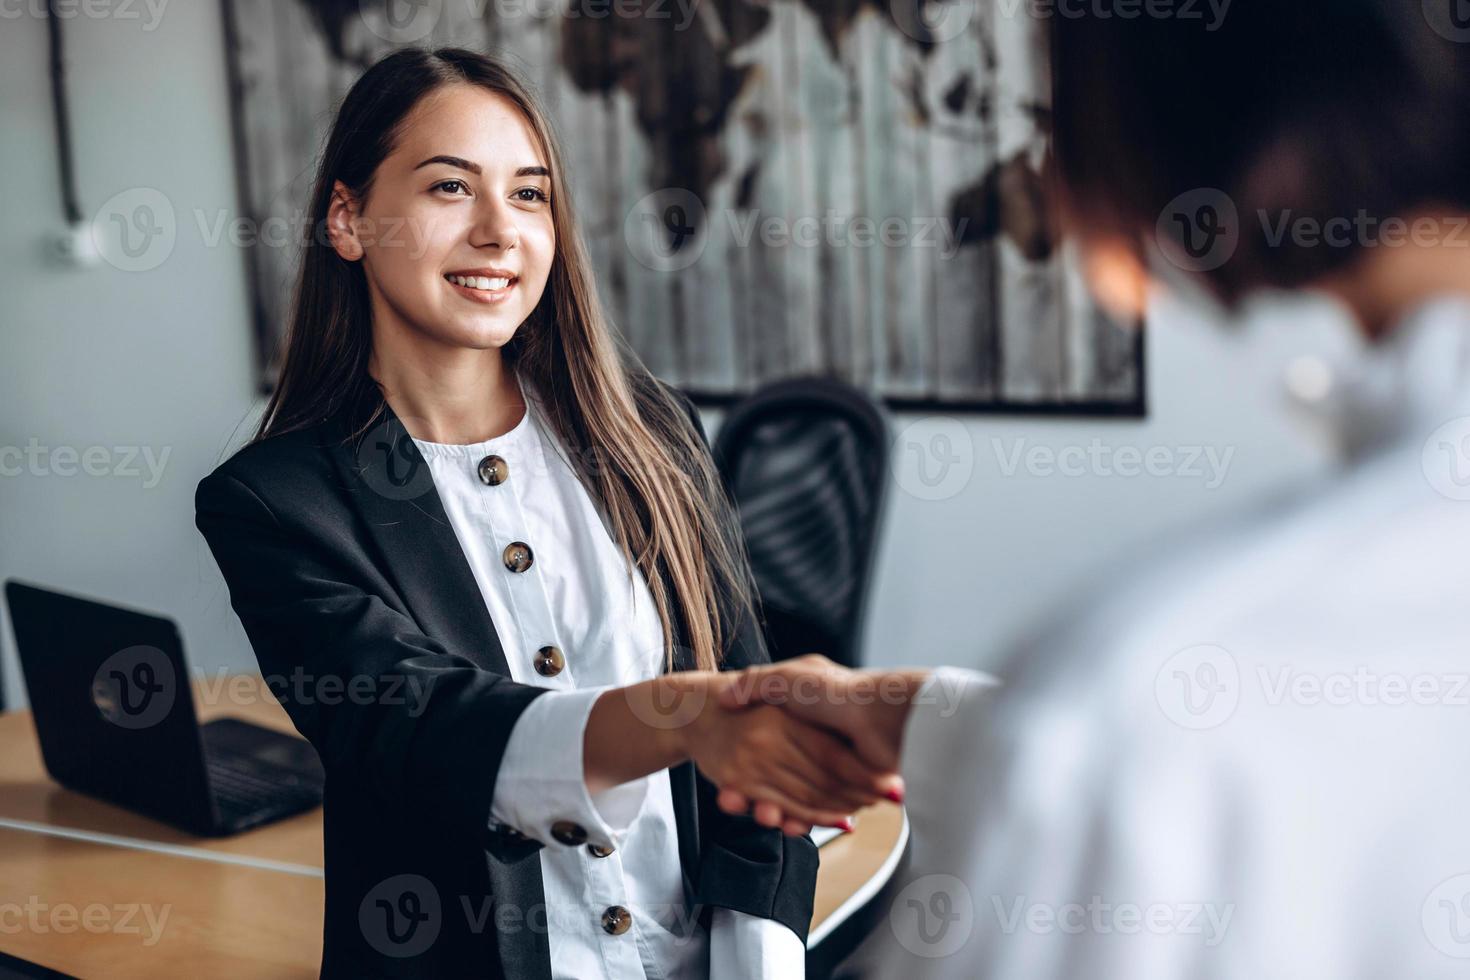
(629, 439)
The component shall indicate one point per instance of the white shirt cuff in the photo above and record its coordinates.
(939, 724)
(745, 946)
(542, 779)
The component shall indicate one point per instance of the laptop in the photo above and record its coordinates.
(114, 711)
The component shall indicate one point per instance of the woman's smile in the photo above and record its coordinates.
(482, 288)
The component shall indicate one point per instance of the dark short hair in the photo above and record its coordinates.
(1328, 108)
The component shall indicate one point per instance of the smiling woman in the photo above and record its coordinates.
(491, 195)
(464, 482)
(465, 182)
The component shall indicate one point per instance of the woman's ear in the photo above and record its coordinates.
(342, 214)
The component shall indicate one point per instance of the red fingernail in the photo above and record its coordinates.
(844, 824)
(895, 794)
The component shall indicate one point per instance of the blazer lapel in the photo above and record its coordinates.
(394, 493)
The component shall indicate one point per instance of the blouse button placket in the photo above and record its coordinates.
(602, 867)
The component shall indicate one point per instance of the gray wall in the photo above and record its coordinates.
(161, 361)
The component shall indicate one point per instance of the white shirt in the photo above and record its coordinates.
(1250, 761)
(578, 596)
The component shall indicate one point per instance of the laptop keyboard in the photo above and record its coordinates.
(245, 788)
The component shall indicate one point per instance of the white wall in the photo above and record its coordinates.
(102, 357)
(162, 360)
(960, 577)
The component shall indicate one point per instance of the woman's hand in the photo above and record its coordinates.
(866, 708)
(802, 774)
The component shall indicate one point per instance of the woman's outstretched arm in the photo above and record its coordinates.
(420, 726)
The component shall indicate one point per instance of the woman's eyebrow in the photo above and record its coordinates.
(474, 168)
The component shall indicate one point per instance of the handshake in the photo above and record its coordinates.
(802, 742)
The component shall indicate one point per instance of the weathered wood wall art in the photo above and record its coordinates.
(767, 187)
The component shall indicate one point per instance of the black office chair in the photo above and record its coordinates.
(806, 463)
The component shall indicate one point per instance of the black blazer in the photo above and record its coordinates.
(368, 623)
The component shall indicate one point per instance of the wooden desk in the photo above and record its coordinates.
(153, 915)
(64, 900)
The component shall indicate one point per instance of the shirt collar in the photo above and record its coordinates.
(1378, 396)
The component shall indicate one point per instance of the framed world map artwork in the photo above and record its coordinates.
(768, 188)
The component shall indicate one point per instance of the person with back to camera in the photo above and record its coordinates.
(1245, 760)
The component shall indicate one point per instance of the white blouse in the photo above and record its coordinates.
(574, 620)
